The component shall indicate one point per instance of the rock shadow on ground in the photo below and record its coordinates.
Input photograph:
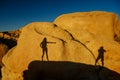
(63, 70)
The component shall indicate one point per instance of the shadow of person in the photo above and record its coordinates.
(100, 55)
(43, 45)
(64, 70)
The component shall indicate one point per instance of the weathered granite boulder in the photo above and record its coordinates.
(72, 37)
(95, 29)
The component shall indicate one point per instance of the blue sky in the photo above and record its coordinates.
(15, 14)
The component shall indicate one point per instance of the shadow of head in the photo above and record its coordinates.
(61, 70)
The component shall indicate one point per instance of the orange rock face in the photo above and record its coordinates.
(74, 37)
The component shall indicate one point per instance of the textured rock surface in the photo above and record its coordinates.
(94, 29)
(3, 50)
(100, 24)
(11, 34)
(8, 39)
(78, 37)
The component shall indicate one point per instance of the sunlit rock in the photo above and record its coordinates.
(73, 37)
(89, 24)
(3, 51)
(95, 29)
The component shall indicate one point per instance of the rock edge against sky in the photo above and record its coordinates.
(77, 37)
